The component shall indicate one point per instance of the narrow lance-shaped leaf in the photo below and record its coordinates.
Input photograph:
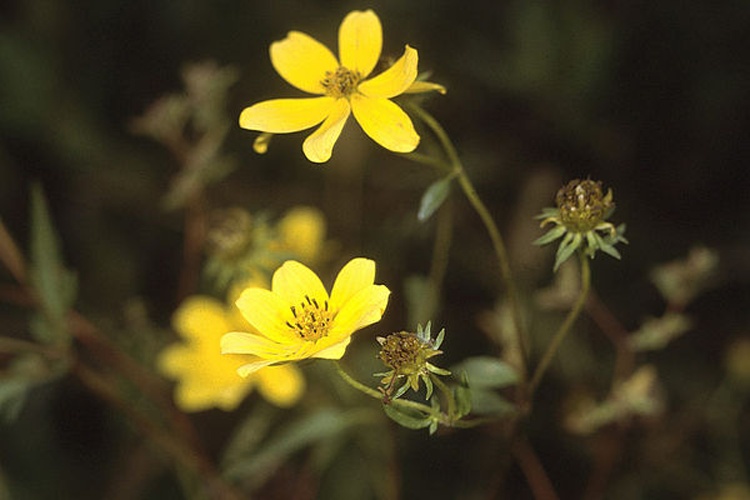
(55, 285)
(434, 197)
(411, 419)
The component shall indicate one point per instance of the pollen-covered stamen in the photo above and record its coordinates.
(311, 321)
(340, 83)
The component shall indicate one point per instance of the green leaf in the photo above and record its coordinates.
(22, 374)
(568, 245)
(406, 417)
(55, 285)
(487, 372)
(462, 393)
(421, 299)
(324, 424)
(434, 197)
(550, 236)
(489, 403)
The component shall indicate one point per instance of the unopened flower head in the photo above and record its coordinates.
(343, 86)
(297, 319)
(583, 205)
(241, 245)
(407, 355)
(581, 217)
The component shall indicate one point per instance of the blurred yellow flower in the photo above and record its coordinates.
(301, 232)
(343, 88)
(297, 319)
(206, 378)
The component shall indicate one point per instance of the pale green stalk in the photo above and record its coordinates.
(403, 403)
(565, 326)
(457, 168)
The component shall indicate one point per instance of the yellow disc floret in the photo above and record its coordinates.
(341, 83)
(311, 321)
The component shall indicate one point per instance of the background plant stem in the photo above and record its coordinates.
(562, 332)
(457, 169)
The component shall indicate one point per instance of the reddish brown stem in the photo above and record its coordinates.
(533, 470)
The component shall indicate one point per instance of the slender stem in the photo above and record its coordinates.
(356, 384)
(11, 256)
(10, 345)
(566, 325)
(428, 160)
(404, 403)
(484, 214)
(532, 468)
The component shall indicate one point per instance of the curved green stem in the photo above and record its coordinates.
(566, 325)
(457, 168)
(403, 403)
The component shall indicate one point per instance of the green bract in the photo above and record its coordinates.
(580, 220)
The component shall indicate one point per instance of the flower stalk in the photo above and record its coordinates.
(565, 327)
(403, 403)
(455, 167)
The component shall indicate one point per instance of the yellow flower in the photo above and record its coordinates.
(206, 378)
(301, 232)
(297, 319)
(343, 87)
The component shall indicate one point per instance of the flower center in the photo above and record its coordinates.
(311, 322)
(340, 83)
(583, 205)
(401, 351)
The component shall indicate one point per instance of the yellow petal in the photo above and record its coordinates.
(420, 87)
(281, 385)
(194, 397)
(336, 351)
(267, 312)
(385, 123)
(396, 79)
(364, 308)
(200, 316)
(303, 61)
(293, 281)
(280, 116)
(250, 368)
(319, 145)
(249, 343)
(357, 274)
(360, 41)
(173, 359)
